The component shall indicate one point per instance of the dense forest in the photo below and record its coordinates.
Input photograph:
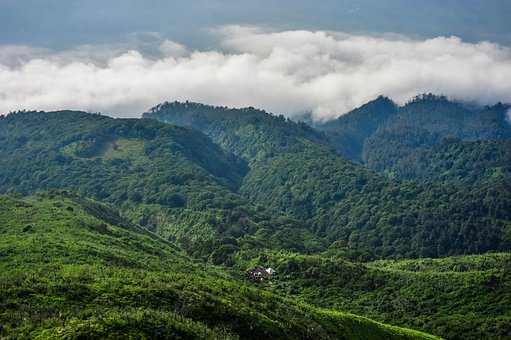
(382, 135)
(171, 180)
(398, 213)
(369, 214)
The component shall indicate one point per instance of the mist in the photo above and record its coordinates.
(291, 72)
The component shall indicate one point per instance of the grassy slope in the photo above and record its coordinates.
(73, 268)
(466, 297)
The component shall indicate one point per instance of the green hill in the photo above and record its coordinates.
(465, 297)
(92, 152)
(169, 179)
(349, 132)
(388, 138)
(72, 268)
(294, 170)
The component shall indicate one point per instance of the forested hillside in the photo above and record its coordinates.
(250, 133)
(399, 140)
(467, 163)
(171, 180)
(238, 188)
(349, 132)
(268, 184)
(463, 297)
(367, 214)
(72, 268)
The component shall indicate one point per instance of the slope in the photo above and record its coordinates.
(94, 150)
(465, 297)
(349, 132)
(384, 135)
(172, 180)
(467, 163)
(293, 169)
(73, 268)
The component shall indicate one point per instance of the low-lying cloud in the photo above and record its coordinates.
(290, 72)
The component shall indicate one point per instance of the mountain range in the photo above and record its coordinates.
(397, 213)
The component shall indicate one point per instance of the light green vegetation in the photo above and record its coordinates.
(464, 297)
(72, 268)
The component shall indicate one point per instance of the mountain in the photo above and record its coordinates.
(194, 200)
(294, 169)
(91, 151)
(349, 132)
(249, 133)
(172, 180)
(381, 134)
(260, 182)
(74, 268)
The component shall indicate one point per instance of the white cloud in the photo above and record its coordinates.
(287, 72)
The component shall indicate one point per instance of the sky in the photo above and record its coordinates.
(122, 57)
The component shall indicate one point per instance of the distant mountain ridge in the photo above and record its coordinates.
(357, 133)
(241, 131)
(349, 132)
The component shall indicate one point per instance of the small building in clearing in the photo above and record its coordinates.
(260, 274)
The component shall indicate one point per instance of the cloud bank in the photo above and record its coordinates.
(289, 72)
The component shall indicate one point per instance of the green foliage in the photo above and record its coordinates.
(464, 297)
(262, 191)
(138, 158)
(368, 215)
(423, 139)
(172, 180)
(349, 132)
(74, 274)
(466, 163)
(249, 133)
(178, 183)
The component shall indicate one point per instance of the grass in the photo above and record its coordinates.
(123, 148)
(72, 268)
